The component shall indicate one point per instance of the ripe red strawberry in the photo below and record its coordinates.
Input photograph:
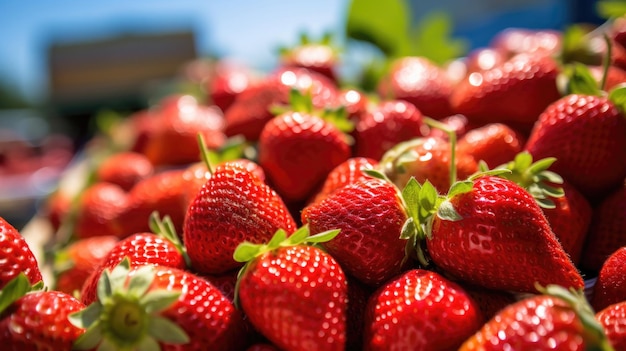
(489, 301)
(233, 206)
(613, 318)
(610, 286)
(456, 123)
(348, 172)
(160, 249)
(420, 310)
(484, 59)
(163, 192)
(262, 347)
(161, 307)
(587, 136)
(294, 294)
(252, 107)
(228, 80)
(317, 56)
(385, 125)
(371, 216)
(426, 159)
(615, 76)
(607, 232)
(16, 256)
(494, 143)
(99, 209)
(554, 320)
(420, 82)
(355, 102)
(124, 169)
(514, 41)
(487, 227)
(297, 150)
(515, 92)
(36, 320)
(56, 207)
(177, 121)
(74, 263)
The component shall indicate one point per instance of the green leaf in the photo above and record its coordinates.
(492, 172)
(522, 161)
(617, 95)
(299, 236)
(167, 331)
(611, 8)
(107, 345)
(374, 173)
(545, 203)
(409, 229)
(447, 212)
(460, 187)
(86, 317)
(427, 198)
(581, 81)
(279, 236)
(141, 280)
(385, 24)
(104, 288)
(548, 176)
(432, 38)
(551, 190)
(14, 290)
(410, 195)
(89, 339)
(246, 251)
(323, 237)
(158, 300)
(148, 343)
(541, 165)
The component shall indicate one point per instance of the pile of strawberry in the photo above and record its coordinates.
(442, 212)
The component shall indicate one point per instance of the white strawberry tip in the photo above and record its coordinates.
(126, 314)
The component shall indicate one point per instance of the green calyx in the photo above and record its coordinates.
(126, 315)
(17, 288)
(534, 177)
(595, 337)
(165, 228)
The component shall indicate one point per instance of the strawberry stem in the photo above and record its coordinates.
(204, 153)
(606, 62)
(451, 139)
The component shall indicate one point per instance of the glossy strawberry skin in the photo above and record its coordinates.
(252, 107)
(82, 257)
(386, 125)
(297, 151)
(233, 206)
(420, 82)
(209, 319)
(348, 172)
(370, 215)
(613, 319)
(39, 321)
(502, 228)
(124, 169)
(16, 256)
(494, 143)
(316, 57)
(517, 91)
(420, 310)
(99, 209)
(607, 232)
(587, 135)
(610, 286)
(296, 296)
(540, 322)
(140, 249)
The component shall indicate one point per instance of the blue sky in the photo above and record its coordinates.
(246, 29)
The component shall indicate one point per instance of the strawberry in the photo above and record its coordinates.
(56, 207)
(355, 102)
(486, 226)
(614, 76)
(420, 82)
(75, 262)
(317, 56)
(294, 294)
(386, 124)
(556, 319)
(233, 205)
(348, 172)
(16, 256)
(514, 41)
(35, 319)
(593, 164)
(262, 347)
(489, 301)
(228, 80)
(371, 215)
(297, 150)
(456, 123)
(613, 318)
(607, 232)
(484, 59)
(494, 143)
(426, 159)
(158, 307)
(177, 121)
(124, 169)
(252, 107)
(516, 92)
(610, 286)
(420, 310)
(99, 208)
(161, 248)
